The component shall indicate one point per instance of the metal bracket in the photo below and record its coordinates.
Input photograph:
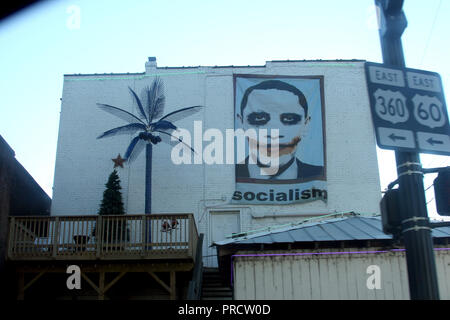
(407, 164)
(414, 219)
(410, 172)
(416, 228)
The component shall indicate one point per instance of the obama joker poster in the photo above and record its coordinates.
(284, 124)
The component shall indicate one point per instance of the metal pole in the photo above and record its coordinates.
(148, 191)
(415, 225)
(148, 179)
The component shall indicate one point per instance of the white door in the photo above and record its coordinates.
(222, 224)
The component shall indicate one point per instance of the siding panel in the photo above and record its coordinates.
(288, 278)
(342, 281)
(250, 279)
(277, 277)
(259, 285)
(330, 276)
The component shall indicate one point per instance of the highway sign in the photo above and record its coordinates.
(408, 109)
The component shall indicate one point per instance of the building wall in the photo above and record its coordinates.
(335, 277)
(83, 163)
(7, 166)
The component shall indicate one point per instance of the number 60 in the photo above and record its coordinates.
(434, 112)
(428, 111)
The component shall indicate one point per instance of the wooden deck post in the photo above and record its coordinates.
(11, 238)
(191, 236)
(101, 286)
(21, 286)
(55, 237)
(173, 291)
(99, 235)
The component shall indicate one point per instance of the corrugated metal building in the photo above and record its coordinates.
(348, 257)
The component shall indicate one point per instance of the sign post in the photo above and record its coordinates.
(415, 225)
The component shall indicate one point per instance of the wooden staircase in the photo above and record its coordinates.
(213, 287)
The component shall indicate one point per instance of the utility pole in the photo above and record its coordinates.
(415, 224)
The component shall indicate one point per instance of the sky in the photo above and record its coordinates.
(52, 38)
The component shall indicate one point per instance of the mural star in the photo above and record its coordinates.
(118, 161)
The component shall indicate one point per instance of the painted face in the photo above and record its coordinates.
(276, 109)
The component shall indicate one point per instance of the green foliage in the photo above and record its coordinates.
(112, 203)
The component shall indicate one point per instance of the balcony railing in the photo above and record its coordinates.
(127, 237)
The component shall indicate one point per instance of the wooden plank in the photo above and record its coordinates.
(173, 291)
(29, 284)
(38, 232)
(99, 235)
(92, 284)
(165, 286)
(113, 282)
(143, 239)
(101, 294)
(15, 238)
(55, 236)
(153, 233)
(90, 256)
(106, 242)
(11, 242)
(21, 286)
(75, 231)
(110, 267)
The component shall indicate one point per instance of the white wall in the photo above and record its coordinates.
(329, 277)
(83, 163)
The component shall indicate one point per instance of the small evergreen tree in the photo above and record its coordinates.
(112, 203)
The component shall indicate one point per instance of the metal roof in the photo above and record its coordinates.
(338, 229)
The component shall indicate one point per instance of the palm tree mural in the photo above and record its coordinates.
(149, 132)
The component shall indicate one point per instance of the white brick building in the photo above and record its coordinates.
(83, 163)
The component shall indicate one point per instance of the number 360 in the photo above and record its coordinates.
(393, 107)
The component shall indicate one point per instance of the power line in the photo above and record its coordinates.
(431, 31)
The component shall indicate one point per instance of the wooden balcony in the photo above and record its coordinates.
(165, 247)
(128, 237)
